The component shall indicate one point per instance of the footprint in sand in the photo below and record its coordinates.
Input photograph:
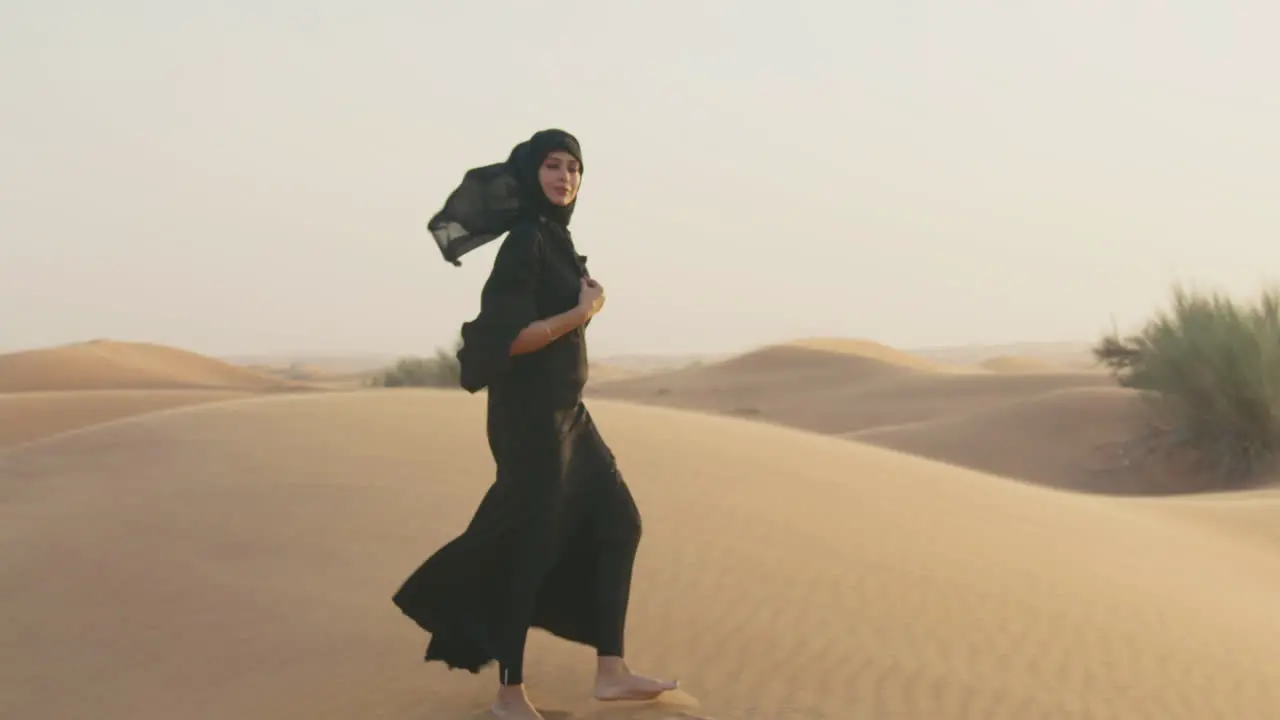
(674, 705)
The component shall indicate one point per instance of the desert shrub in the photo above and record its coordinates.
(1210, 367)
(440, 370)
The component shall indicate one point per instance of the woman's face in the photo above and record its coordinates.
(560, 177)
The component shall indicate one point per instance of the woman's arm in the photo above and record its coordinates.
(508, 323)
(541, 333)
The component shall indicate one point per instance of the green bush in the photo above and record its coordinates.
(442, 370)
(1211, 369)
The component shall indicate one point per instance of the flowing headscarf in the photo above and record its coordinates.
(492, 199)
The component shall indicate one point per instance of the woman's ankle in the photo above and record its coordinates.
(610, 665)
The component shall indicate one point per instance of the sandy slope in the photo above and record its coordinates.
(1019, 419)
(320, 363)
(1062, 355)
(1253, 515)
(30, 416)
(870, 350)
(837, 392)
(605, 372)
(1063, 438)
(1017, 364)
(791, 385)
(236, 561)
(111, 365)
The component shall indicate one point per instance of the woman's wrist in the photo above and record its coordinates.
(580, 314)
(566, 321)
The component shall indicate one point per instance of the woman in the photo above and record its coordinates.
(553, 542)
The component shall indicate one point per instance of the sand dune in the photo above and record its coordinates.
(296, 371)
(604, 372)
(1061, 355)
(30, 416)
(870, 350)
(337, 376)
(792, 385)
(1022, 420)
(932, 397)
(836, 392)
(1252, 515)
(237, 560)
(320, 363)
(318, 377)
(1063, 438)
(111, 365)
(1017, 364)
(642, 363)
(1055, 427)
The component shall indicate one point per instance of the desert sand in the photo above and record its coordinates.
(1018, 417)
(115, 365)
(1058, 355)
(1017, 364)
(53, 390)
(33, 415)
(926, 553)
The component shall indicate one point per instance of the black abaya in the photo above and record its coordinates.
(552, 542)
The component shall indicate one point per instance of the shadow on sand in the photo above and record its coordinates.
(676, 705)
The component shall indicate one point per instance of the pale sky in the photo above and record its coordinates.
(242, 177)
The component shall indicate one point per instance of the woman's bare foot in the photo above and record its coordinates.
(615, 681)
(513, 704)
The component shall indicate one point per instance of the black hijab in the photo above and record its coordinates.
(493, 198)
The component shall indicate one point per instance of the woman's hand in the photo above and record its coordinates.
(591, 297)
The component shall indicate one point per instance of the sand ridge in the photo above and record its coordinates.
(30, 416)
(1058, 427)
(761, 382)
(1017, 364)
(871, 350)
(241, 556)
(1077, 356)
(49, 391)
(1069, 438)
(837, 392)
(1251, 515)
(114, 365)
